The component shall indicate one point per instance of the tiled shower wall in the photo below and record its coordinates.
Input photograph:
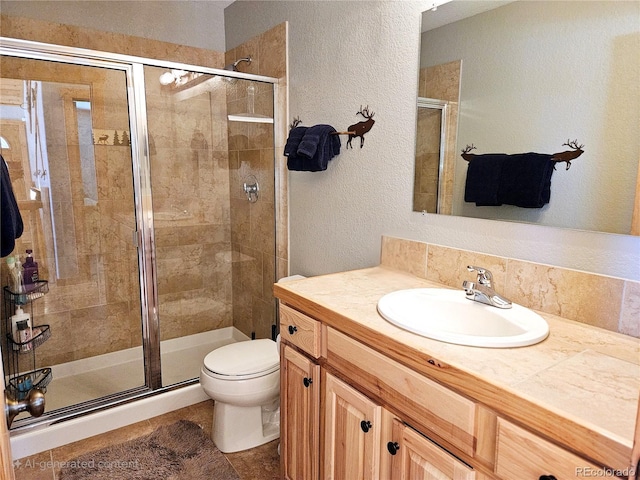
(605, 302)
(251, 155)
(190, 190)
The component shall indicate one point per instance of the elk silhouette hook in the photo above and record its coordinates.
(559, 157)
(360, 128)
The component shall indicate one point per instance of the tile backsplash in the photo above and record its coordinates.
(602, 301)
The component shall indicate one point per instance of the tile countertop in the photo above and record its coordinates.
(578, 387)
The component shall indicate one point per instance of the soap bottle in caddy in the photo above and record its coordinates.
(25, 335)
(16, 279)
(30, 269)
(21, 318)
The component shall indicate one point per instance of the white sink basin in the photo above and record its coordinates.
(448, 316)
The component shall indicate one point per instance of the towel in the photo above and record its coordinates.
(294, 161)
(483, 179)
(523, 180)
(295, 136)
(11, 226)
(319, 145)
(526, 180)
(313, 150)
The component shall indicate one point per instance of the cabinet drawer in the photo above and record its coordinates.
(300, 330)
(523, 455)
(433, 407)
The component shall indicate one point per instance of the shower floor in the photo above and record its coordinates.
(95, 377)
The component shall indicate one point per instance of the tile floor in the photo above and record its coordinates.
(261, 463)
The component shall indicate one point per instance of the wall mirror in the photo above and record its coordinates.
(530, 76)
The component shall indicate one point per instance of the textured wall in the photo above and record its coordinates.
(200, 25)
(342, 55)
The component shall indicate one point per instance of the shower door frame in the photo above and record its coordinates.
(144, 236)
(443, 106)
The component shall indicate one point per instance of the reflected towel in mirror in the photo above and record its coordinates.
(522, 180)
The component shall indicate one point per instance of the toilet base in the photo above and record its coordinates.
(240, 428)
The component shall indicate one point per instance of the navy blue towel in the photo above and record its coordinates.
(11, 220)
(294, 161)
(316, 148)
(523, 180)
(526, 180)
(483, 179)
(295, 136)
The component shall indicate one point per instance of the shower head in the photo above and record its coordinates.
(234, 66)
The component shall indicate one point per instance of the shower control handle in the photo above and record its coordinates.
(307, 381)
(292, 329)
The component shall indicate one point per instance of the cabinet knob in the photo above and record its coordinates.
(547, 477)
(365, 425)
(292, 329)
(307, 381)
(393, 447)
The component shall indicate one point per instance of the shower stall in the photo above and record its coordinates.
(131, 177)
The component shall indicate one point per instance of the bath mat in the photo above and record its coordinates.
(181, 451)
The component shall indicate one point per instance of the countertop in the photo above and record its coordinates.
(579, 387)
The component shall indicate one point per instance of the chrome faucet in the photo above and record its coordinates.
(482, 291)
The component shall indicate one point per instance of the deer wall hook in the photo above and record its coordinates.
(568, 155)
(360, 128)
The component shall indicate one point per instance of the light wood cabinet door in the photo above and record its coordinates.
(525, 455)
(417, 458)
(300, 416)
(353, 424)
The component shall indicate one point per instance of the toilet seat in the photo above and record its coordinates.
(243, 360)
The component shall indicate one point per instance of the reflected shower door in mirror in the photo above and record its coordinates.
(65, 130)
(427, 188)
(532, 76)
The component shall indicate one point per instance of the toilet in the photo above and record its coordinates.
(243, 379)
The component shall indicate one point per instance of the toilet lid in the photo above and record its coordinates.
(243, 359)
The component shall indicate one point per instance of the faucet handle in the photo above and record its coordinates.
(484, 276)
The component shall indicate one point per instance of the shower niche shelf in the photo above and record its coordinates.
(20, 357)
(249, 118)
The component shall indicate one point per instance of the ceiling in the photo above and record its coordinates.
(452, 11)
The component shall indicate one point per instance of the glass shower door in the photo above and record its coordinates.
(209, 135)
(67, 143)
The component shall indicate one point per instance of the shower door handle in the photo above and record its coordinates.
(34, 404)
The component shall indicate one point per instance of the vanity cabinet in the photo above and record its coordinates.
(351, 412)
(523, 455)
(358, 438)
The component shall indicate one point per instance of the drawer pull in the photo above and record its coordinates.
(307, 381)
(292, 329)
(365, 425)
(393, 447)
(547, 477)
